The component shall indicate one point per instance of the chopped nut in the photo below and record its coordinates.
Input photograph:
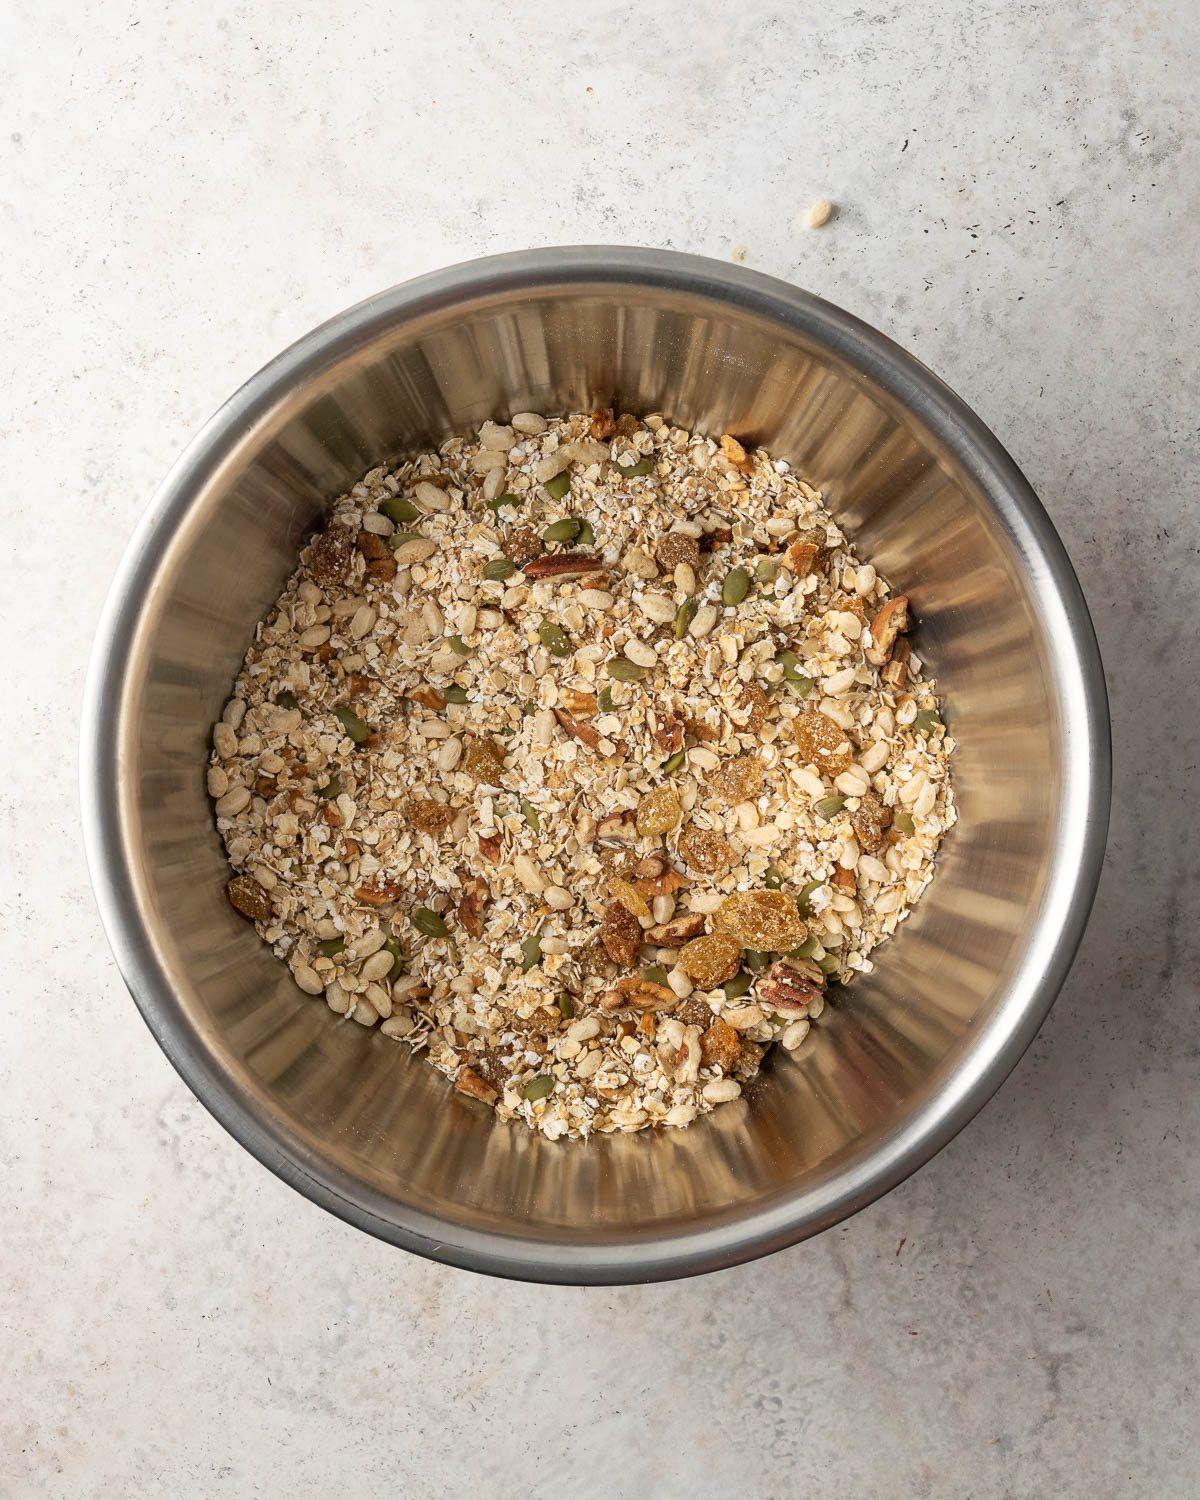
(578, 731)
(561, 566)
(581, 705)
(668, 733)
(617, 828)
(786, 988)
(467, 1081)
(887, 624)
(621, 934)
(805, 552)
(895, 674)
(475, 898)
(489, 848)
(844, 880)
(428, 697)
(734, 452)
(639, 994)
(677, 930)
(602, 425)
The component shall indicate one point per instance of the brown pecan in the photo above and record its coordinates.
(786, 988)
(677, 930)
(617, 827)
(265, 786)
(895, 674)
(428, 697)
(638, 994)
(668, 733)
(720, 1046)
(603, 424)
(720, 536)
(329, 560)
(578, 731)
(378, 895)
(621, 934)
(247, 896)
(468, 1081)
(887, 624)
(358, 686)
(332, 817)
(475, 898)
(665, 884)
(489, 848)
(582, 705)
(560, 566)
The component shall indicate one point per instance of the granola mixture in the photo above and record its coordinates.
(584, 755)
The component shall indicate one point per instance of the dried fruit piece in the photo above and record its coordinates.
(621, 934)
(710, 961)
(803, 555)
(602, 425)
(738, 780)
(720, 1046)
(630, 897)
(870, 821)
(704, 849)
(719, 536)
(822, 743)
(428, 816)
(483, 760)
(787, 988)
(247, 896)
(753, 709)
(887, 624)
(428, 697)
(472, 905)
(658, 812)
(329, 560)
(764, 920)
(675, 548)
(489, 848)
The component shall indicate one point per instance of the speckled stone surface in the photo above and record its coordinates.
(187, 188)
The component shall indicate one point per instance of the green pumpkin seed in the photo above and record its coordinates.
(397, 968)
(684, 617)
(332, 787)
(926, 722)
(557, 487)
(624, 670)
(499, 569)
(829, 807)
(459, 646)
(566, 1007)
(655, 975)
(586, 537)
(807, 948)
(828, 965)
(399, 510)
(506, 499)
(635, 470)
(555, 639)
(539, 1087)
(428, 923)
(765, 570)
(772, 878)
(531, 953)
(803, 902)
(530, 814)
(287, 700)
(398, 538)
(737, 986)
(604, 700)
(352, 724)
(565, 530)
(903, 823)
(736, 586)
(331, 947)
(755, 962)
(673, 762)
(455, 694)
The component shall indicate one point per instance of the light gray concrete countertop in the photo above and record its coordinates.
(186, 189)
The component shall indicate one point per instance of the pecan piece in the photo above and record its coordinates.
(786, 988)
(329, 560)
(668, 733)
(720, 536)
(621, 934)
(603, 424)
(359, 686)
(720, 1046)
(582, 732)
(428, 697)
(475, 898)
(468, 1081)
(677, 930)
(895, 674)
(582, 705)
(638, 994)
(489, 848)
(887, 624)
(805, 552)
(560, 566)
(844, 879)
(378, 895)
(617, 828)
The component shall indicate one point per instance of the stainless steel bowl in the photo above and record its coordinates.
(908, 1055)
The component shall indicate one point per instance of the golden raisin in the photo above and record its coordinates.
(428, 816)
(658, 812)
(705, 850)
(621, 934)
(767, 921)
(822, 743)
(738, 780)
(483, 760)
(870, 821)
(629, 896)
(675, 548)
(710, 961)
(720, 1046)
(753, 709)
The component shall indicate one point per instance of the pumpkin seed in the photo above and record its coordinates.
(635, 470)
(566, 1006)
(539, 1087)
(673, 762)
(352, 724)
(332, 787)
(736, 987)
(903, 823)
(459, 646)
(685, 616)
(772, 878)
(455, 694)
(565, 530)
(399, 510)
(499, 569)
(555, 639)
(829, 807)
(624, 670)
(429, 923)
(557, 487)
(803, 903)
(531, 953)
(287, 700)
(331, 947)
(735, 588)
